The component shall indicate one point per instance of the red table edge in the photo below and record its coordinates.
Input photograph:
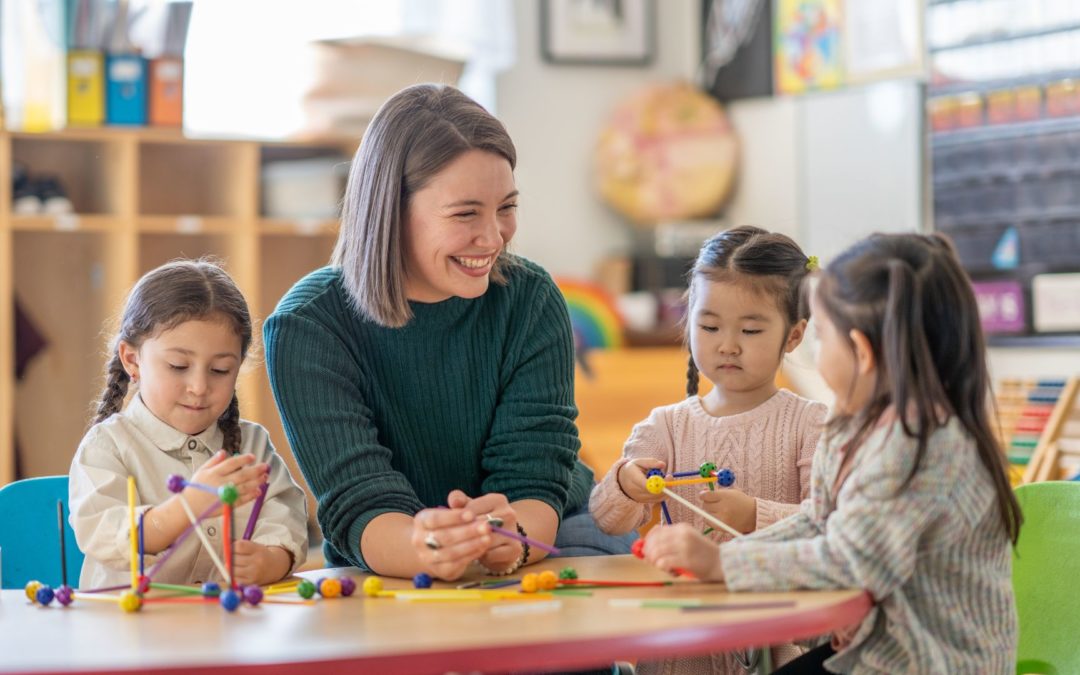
(676, 641)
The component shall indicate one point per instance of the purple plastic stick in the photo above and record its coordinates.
(179, 540)
(142, 544)
(200, 486)
(531, 542)
(732, 606)
(250, 529)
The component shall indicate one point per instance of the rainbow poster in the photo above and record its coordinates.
(593, 315)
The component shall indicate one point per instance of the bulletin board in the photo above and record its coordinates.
(1003, 111)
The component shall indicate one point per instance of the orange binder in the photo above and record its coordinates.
(167, 92)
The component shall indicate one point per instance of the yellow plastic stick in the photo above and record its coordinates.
(280, 590)
(96, 597)
(469, 594)
(134, 535)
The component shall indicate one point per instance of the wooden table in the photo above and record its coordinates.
(385, 635)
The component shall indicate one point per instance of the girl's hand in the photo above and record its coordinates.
(680, 546)
(504, 551)
(446, 541)
(257, 564)
(240, 470)
(731, 506)
(631, 477)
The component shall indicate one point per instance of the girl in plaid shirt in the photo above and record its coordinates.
(909, 496)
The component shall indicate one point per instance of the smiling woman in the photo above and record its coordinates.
(425, 378)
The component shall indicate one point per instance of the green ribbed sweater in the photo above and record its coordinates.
(476, 395)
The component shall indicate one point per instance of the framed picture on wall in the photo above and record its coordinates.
(883, 39)
(598, 32)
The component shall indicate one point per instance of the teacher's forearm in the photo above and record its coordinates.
(539, 521)
(386, 546)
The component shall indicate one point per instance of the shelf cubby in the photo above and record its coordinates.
(142, 197)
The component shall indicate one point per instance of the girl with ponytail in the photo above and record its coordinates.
(184, 333)
(745, 312)
(909, 495)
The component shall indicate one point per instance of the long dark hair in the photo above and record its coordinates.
(909, 295)
(179, 291)
(766, 261)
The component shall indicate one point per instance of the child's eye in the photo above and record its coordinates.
(220, 371)
(508, 207)
(753, 331)
(176, 367)
(709, 329)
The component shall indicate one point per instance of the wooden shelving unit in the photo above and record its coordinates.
(141, 197)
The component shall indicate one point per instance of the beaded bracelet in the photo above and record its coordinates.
(518, 564)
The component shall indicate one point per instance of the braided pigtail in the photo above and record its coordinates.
(229, 423)
(116, 386)
(691, 378)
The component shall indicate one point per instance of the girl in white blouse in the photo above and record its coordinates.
(184, 334)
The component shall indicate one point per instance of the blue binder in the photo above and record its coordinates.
(125, 89)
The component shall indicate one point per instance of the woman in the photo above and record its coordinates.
(425, 378)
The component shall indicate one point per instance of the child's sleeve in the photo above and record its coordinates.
(283, 517)
(809, 428)
(872, 539)
(614, 512)
(98, 502)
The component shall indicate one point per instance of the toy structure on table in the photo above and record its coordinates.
(131, 598)
(709, 474)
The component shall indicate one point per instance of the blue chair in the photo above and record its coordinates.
(29, 541)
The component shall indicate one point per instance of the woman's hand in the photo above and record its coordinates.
(631, 478)
(680, 546)
(731, 506)
(504, 551)
(257, 564)
(447, 540)
(240, 470)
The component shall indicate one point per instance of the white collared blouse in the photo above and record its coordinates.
(135, 442)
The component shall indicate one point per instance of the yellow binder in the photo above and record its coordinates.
(86, 88)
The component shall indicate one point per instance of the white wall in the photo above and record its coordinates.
(555, 113)
(832, 167)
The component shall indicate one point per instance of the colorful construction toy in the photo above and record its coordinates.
(133, 596)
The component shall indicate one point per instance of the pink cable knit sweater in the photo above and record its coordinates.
(770, 449)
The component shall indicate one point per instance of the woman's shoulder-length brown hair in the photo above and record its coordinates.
(412, 137)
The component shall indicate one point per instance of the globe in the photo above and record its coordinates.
(668, 153)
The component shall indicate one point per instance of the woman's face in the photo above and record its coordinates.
(457, 225)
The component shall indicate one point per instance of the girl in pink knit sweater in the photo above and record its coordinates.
(745, 312)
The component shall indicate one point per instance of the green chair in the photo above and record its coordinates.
(1046, 565)
(29, 541)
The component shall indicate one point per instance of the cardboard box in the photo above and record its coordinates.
(352, 78)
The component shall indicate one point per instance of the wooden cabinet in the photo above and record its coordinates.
(141, 197)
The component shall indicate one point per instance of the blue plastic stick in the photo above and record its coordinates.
(663, 509)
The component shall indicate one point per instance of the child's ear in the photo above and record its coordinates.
(795, 336)
(864, 352)
(129, 357)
